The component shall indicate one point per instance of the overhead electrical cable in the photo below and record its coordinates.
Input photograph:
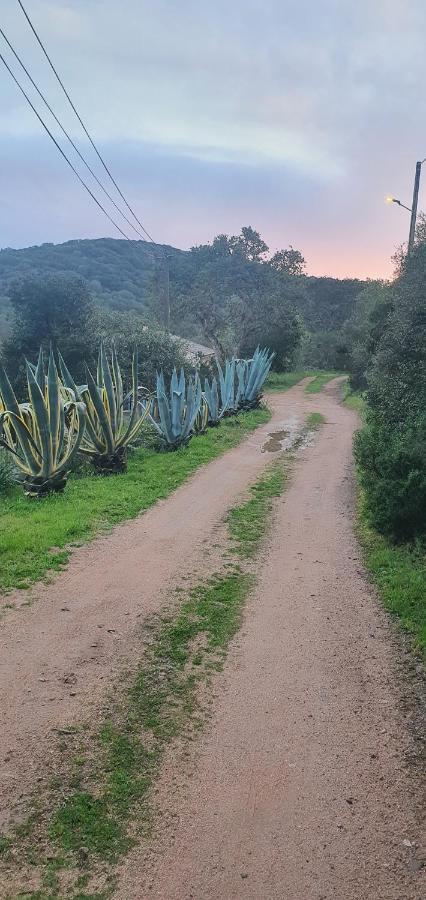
(61, 151)
(68, 136)
(57, 76)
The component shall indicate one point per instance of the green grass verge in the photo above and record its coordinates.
(354, 399)
(99, 803)
(319, 381)
(35, 536)
(399, 573)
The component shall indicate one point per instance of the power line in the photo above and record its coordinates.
(68, 136)
(61, 151)
(82, 123)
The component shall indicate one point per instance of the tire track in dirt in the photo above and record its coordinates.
(299, 788)
(58, 656)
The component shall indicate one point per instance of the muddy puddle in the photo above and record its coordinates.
(282, 439)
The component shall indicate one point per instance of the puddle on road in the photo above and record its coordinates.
(283, 438)
(275, 441)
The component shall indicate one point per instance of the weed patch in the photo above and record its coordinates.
(315, 419)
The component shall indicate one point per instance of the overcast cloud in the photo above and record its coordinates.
(295, 117)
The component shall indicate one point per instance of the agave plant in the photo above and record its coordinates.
(229, 397)
(174, 412)
(251, 375)
(109, 432)
(45, 434)
(201, 420)
(215, 409)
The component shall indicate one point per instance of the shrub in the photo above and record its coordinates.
(393, 474)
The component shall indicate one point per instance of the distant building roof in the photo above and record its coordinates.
(193, 349)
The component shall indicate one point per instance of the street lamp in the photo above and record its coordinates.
(394, 200)
(413, 209)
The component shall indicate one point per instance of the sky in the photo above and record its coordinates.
(297, 117)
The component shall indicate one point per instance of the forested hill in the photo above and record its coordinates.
(119, 272)
(131, 275)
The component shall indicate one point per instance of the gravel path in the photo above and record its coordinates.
(299, 788)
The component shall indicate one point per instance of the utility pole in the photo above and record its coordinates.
(414, 206)
(167, 294)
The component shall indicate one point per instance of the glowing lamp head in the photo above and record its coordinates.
(388, 199)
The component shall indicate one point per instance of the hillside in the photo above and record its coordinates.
(131, 275)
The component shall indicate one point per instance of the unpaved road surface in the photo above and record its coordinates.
(58, 656)
(300, 788)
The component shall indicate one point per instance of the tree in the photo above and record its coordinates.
(50, 310)
(363, 330)
(237, 303)
(289, 261)
(248, 245)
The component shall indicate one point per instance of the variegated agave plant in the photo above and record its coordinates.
(202, 418)
(45, 434)
(109, 431)
(173, 412)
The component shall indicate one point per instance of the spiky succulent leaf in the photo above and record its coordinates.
(45, 434)
(173, 413)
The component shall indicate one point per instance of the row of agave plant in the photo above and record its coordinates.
(100, 421)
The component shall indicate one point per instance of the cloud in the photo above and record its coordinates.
(305, 114)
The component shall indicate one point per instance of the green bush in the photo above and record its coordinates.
(392, 468)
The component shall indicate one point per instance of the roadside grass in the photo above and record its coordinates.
(35, 536)
(100, 804)
(354, 399)
(399, 572)
(319, 380)
(315, 419)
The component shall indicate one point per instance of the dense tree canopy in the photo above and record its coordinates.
(54, 310)
(226, 294)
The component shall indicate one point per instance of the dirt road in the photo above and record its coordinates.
(299, 788)
(58, 655)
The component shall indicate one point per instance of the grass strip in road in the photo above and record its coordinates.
(282, 381)
(245, 521)
(399, 572)
(35, 536)
(319, 381)
(314, 420)
(99, 803)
